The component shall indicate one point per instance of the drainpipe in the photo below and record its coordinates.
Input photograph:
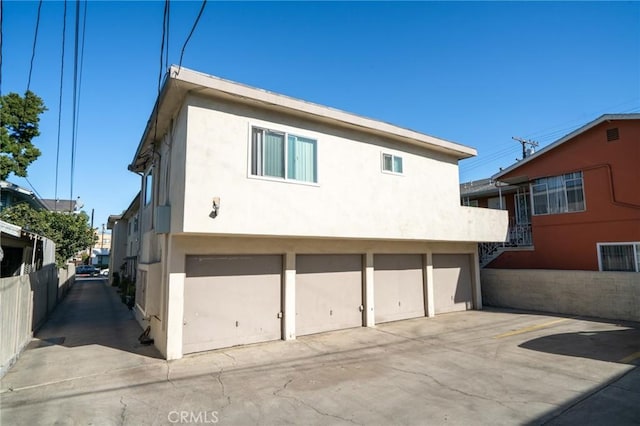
(33, 255)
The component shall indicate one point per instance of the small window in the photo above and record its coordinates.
(497, 203)
(148, 188)
(392, 163)
(283, 156)
(623, 257)
(613, 134)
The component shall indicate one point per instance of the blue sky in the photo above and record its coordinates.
(476, 73)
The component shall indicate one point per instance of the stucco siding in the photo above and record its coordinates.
(176, 172)
(353, 198)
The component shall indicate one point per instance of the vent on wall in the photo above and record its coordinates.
(613, 134)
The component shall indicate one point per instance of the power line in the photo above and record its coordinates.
(35, 39)
(166, 54)
(33, 188)
(77, 86)
(64, 31)
(75, 93)
(162, 47)
(539, 134)
(1, 10)
(524, 143)
(83, 32)
(204, 3)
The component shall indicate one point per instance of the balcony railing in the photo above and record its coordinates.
(517, 236)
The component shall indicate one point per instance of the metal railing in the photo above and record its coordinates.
(517, 236)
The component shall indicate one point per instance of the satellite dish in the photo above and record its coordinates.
(79, 203)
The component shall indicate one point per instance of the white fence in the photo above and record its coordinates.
(25, 303)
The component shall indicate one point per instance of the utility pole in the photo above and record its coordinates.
(102, 239)
(524, 143)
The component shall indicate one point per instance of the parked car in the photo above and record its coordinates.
(87, 271)
(105, 272)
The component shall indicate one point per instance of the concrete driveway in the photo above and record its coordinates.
(477, 367)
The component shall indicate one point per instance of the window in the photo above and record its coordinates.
(283, 156)
(523, 215)
(470, 203)
(558, 194)
(391, 163)
(619, 257)
(497, 203)
(148, 188)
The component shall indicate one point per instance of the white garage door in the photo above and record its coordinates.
(231, 300)
(328, 292)
(398, 287)
(452, 282)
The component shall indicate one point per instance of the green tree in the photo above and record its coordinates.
(70, 232)
(19, 119)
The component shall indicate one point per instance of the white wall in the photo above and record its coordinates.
(353, 198)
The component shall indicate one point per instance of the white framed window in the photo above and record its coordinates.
(282, 155)
(558, 194)
(392, 163)
(619, 256)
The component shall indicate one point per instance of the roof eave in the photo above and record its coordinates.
(181, 81)
(580, 130)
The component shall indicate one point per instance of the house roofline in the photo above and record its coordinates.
(6, 185)
(179, 82)
(568, 137)
(116, 217)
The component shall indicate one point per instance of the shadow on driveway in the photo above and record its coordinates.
(621, 346)
(92, 314)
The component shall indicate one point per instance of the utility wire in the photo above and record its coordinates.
(1, 10)
(77, 88)
(204, 3)
(75, 94)
(81, 60)
(33, 188)
(35, 40)
(162, 47)
(166, 53)
(64, 31)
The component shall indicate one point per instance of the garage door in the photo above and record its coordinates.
(452, 282)
(398, 287)
(231, 300)
(328, 292)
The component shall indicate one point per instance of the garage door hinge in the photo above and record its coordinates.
(279, 315)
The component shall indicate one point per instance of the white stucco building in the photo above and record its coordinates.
(265, 217)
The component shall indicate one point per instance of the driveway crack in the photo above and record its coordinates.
(450, 388)
(277, 393)
(223, 389)
(124, 409)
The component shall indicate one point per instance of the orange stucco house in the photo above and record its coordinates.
(573, 205)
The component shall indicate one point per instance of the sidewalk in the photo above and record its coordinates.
(90, 334)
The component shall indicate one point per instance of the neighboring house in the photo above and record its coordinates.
(62, 206)
(100, 257)
(124, 241)
(574, 204)
(23, 252)
(265, 217)
(12, 194)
